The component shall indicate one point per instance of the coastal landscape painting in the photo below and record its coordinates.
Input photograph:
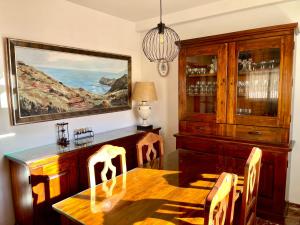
(50, 82)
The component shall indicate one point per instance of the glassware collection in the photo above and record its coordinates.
(247, 65)
(261, 80)
(196, 70)
(259, 86)
(202, 88)
(83, 135)
(241, 111)
(258, 82)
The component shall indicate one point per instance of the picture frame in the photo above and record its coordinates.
(50, 82)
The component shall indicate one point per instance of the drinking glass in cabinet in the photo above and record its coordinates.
(201, 65)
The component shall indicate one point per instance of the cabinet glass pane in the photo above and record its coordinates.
(201, 81)
(258, 80)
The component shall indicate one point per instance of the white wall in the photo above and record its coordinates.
(165, 111)
(61, 23)
(64, 23)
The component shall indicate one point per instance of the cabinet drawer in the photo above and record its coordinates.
(263, 134)
(197, 144)
(197, 127)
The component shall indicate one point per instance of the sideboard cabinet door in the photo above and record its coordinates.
(51, 183)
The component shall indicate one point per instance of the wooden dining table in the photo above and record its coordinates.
(169, 190)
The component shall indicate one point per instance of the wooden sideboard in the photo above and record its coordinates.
(235, 92)
(44, 175)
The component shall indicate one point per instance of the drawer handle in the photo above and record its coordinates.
(200, 128)
(255, 132)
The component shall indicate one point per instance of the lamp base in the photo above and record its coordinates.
(148, 127)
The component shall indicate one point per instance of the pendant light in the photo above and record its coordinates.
(161, 43)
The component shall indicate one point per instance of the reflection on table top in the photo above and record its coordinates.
(194, 165)
(173, 195)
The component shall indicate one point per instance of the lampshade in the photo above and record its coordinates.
(144, 91)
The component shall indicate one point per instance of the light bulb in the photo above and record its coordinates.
(161, 38)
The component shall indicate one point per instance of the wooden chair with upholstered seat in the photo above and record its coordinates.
(219, 204)
(105, 154)
(250, 188)
(149, 140)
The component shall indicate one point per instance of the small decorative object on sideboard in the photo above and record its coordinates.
(83, 135)
(143, 93)
(63, 134)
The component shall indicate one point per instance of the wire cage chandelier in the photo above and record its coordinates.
(161, 43)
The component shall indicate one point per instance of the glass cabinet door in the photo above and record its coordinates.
(201, 83)
(204, 78)
(258, 82)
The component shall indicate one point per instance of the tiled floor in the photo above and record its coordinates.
(292, 217)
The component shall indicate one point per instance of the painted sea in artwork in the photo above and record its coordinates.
(55, 82)
(89, 80)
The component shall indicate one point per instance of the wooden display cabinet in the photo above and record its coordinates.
(249, 104)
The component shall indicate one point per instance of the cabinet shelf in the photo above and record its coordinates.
(202, 75)
(199, 95)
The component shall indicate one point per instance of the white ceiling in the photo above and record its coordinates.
(137, 10)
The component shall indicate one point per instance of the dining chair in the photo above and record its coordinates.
(219, 204)
(149, 140)
(250, 188)
(105, 154)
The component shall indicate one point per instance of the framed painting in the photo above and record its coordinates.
(49, 82)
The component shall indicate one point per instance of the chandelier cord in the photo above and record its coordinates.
(160, 12)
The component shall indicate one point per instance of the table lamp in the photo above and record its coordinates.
(143, 93)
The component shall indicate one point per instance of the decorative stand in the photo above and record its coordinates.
(83, 136)
(63, 134)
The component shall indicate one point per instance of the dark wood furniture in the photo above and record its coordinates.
(151, 196)
(234, 94)
(47, 174)
(148, 143)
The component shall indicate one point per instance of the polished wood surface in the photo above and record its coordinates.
(105, 155)
(163, 203)
(51, 183)
(44, 175)
(230, 134)
(24, 212)
(173, 195)
(148, 141)
(250, 188)
(277, 30)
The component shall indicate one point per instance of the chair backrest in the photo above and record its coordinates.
(250, 188)
(219, 204)
(148, 140)
(105, 154)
